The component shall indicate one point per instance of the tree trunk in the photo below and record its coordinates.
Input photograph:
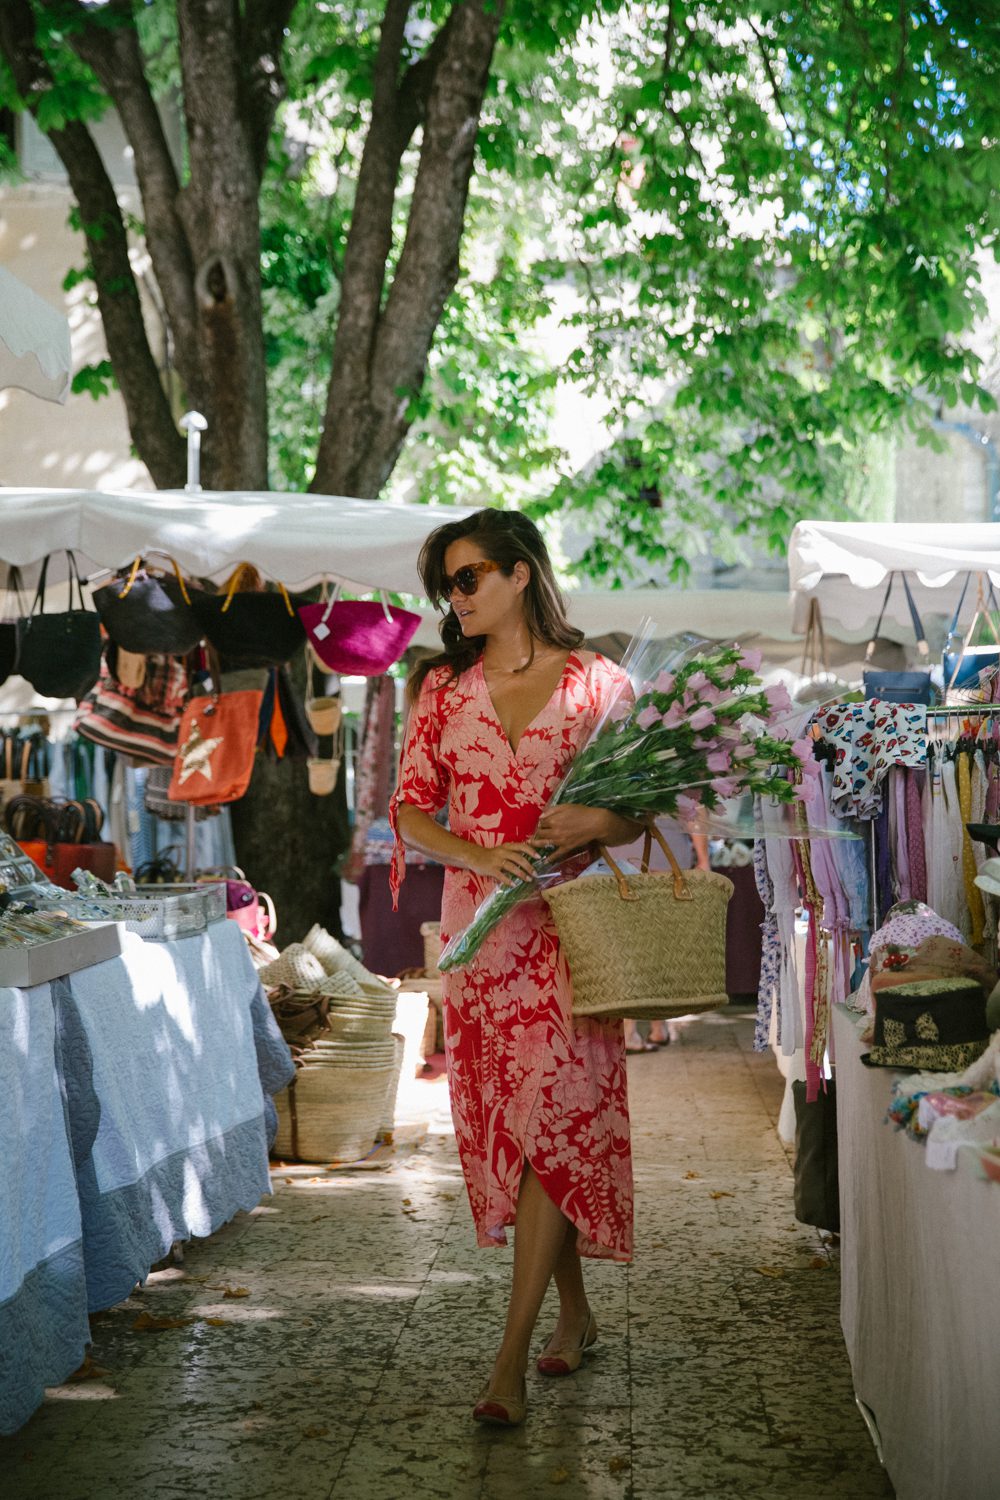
(380, 352)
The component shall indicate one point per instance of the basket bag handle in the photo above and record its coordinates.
(982, 612)
(682, 891)
(240, 573)
(134, 573)
(918, 629)
(13, 585)
(814, 655)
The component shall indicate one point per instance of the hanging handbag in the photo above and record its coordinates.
(145, 612)
(60, 653)
(140, 722)
(899, 687)
(358, 637)
(815, 1185)
(9, 626)
(250, 627)
(961, 669)
(216, 748)
(323, 712)
(61, 836)
(647, 945)
(250, 909)
(24, 763)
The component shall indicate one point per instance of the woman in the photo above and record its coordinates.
(538, 1099)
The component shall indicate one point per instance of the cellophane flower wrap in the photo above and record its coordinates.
(678, 740)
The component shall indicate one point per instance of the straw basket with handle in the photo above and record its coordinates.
(647, 945)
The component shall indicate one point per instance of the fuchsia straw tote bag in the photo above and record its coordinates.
(358, 637)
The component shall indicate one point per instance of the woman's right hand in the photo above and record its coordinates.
(504, 862)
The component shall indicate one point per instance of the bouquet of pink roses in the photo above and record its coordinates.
(694, 736)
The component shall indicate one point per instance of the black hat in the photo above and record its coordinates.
(933, 1024)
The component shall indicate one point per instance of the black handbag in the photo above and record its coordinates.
(899, 687)
(148, 613)
(253, 627)
(816, 1189)
(8, 628)
(60, 653)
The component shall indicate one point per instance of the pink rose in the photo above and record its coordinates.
(619, 710)
(751, 660)
(718, 760)
(778, 700)
(701, 718)
(665, 682)
(743, 752)
(804, 750)
(696, 682)
(688, 803)
(648, 717)
(674, 717)
(725, 786)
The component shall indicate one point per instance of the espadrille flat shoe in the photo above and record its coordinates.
(567, 1361)
(501, 1411)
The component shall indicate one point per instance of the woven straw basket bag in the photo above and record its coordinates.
(648, 945)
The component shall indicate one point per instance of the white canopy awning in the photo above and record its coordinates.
(298, 539)
(841, 563)
(34, 342)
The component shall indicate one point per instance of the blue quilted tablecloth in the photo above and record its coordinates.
(43, 1301)
(138, 1094)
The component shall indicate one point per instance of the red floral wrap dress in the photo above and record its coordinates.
(527, 1081)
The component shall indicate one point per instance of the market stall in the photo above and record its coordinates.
(918, 1292)
(880, 892)
(136, 1087)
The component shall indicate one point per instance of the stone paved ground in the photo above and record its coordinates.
(349, 1371)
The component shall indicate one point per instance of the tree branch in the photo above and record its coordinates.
(114, 55)
(779, 103)
(150, 421)
(262, 42)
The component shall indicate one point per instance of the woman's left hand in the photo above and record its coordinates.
(570, 827)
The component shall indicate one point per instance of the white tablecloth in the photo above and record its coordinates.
(132, 1114)
(919, 1303)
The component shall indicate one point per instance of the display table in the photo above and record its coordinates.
(918, 1298)
(133, 1095)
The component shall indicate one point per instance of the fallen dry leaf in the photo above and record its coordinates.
(407, 1202)
(617, 1465)
(149, 1323)
(89, 1371)
(315, 1432)
(558, 1476)
(720, 1195)
(769, 1270)
(217, 1322)
(692, 1176)
(235, 1291)
(819, 1263)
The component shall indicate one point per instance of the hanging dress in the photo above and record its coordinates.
(528, 1082)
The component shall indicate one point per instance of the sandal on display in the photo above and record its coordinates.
(567, 1361)
(501, 1411)
(642, 1047)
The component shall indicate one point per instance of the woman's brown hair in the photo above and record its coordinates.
(505, 537)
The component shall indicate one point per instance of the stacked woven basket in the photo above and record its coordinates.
(338, 1018)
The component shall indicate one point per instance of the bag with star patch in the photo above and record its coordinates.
(216, 748)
